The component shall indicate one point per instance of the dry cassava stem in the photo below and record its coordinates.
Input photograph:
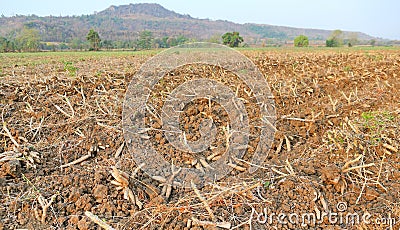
(45, 205)
(358, 167)
(347, 164)
(203, 200)
(98, 221)
(9, 135)
(119, 150)
(237, 167)
(224, 225)
(77, 161)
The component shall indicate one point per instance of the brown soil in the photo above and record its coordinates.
(198, 111)
(337, 141)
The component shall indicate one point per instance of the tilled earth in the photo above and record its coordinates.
(336, 148)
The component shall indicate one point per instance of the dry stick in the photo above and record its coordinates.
(380, 185)
(354, 128)
(324, 204)
(151, 112)
(83, 95)
(223, 190)
(262, 198)
(38, 128)
(347, 164)
(256, 185)
(109, 127)
(170, 181)
(269, 123)
(279, 148)
(212, 156)
(358, 167)
(297, 119)
(97, 220)
(62, 111)
(290, 169)
(69, 104)
(380, 168)
(189, 224)
(389, 147)
(45, 205)
(120, 177)
(287, 143)
(347, 98)
(332, 116)
(362, 190)
(119, 150)
(334, 103)
(137, 170)
(237, 167)
(9, 135)
(77, 161)
(279, 172)
(225, 225)
(4, 157)
(203, 200)
(252, 164)
(97, 103)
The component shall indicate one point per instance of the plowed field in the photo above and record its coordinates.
(334, 162)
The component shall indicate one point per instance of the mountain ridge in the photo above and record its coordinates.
(152, 9)
(125, 22)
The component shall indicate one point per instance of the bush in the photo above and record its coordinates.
(332, 43)
(301, 41)
(232, 39)
(336, 39)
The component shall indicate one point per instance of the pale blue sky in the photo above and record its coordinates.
(374, 17)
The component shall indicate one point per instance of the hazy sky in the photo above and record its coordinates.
(374, 17)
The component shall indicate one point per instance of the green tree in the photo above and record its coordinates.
(6, 45)
(181, 40)
(3, 44)
(28, 40)
(145, 40)
(232, 39)
(107, 44)
(372, 42)
(63, 46)
(301, 41)
(94, 39)
(336, 39)
(162, 42)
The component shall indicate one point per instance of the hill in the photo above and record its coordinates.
(124, 23)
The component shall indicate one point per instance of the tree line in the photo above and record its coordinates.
(336, 39)
(28, 40)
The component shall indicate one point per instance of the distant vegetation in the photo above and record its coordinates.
(336, 39)
(301, 41)
(94, 39)
(145, 26)
(232, 39)
(28, 40)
